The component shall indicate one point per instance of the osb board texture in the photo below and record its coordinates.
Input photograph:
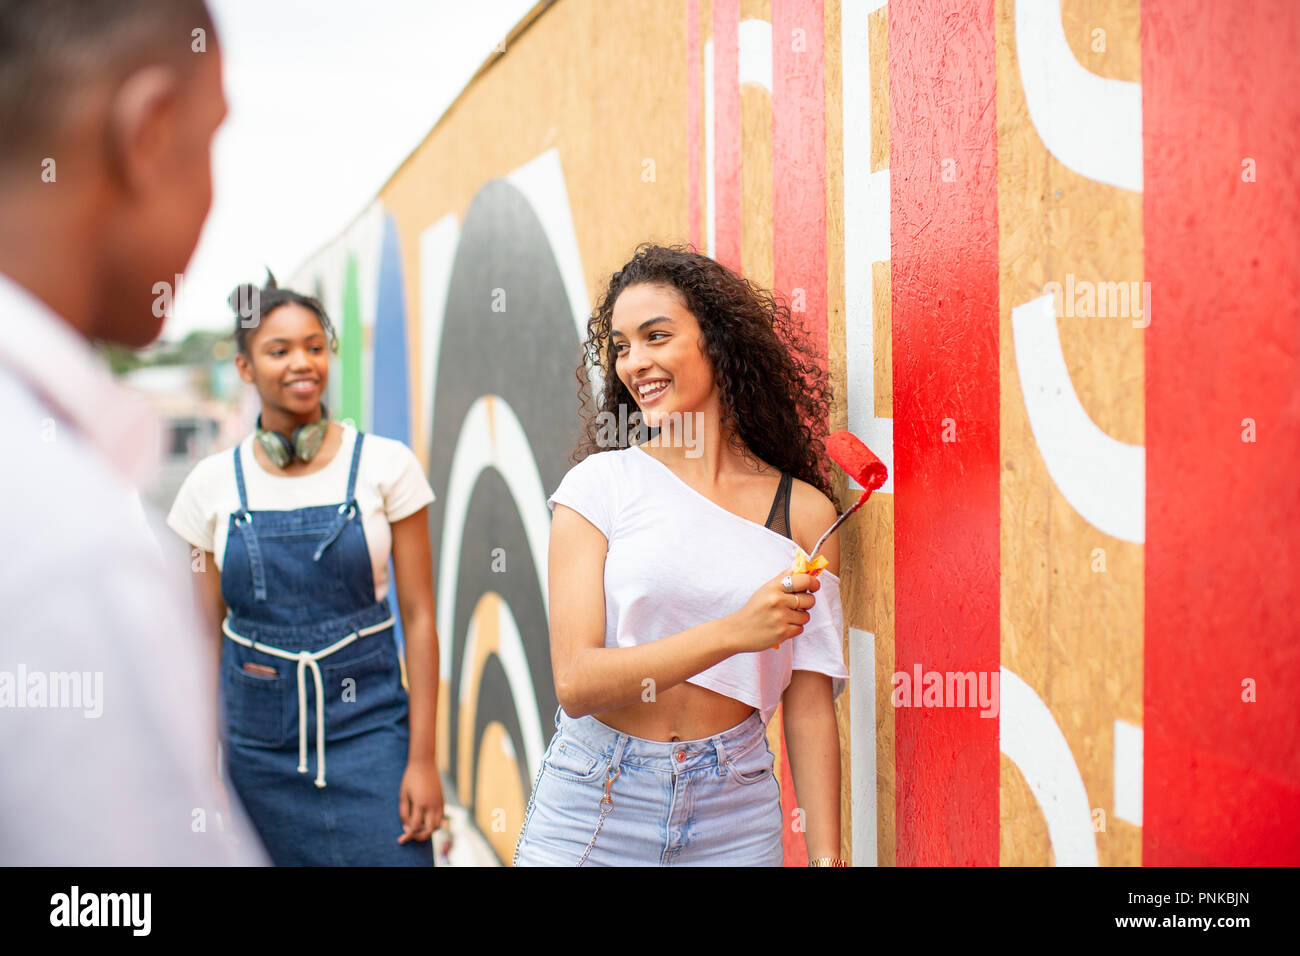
(1072, 633)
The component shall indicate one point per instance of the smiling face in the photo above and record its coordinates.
(288, 362)
(658, 341)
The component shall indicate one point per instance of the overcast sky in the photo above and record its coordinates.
(326, 98)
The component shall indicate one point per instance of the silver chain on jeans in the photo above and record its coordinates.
(606, 804)
(528, 812)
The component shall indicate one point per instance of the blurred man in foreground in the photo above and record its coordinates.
(107, 695)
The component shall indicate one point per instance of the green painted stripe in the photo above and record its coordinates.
(351, 345)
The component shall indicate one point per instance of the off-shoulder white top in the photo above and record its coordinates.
(676, 559)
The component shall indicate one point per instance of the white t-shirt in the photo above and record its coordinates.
(390, 486)
(676, 559)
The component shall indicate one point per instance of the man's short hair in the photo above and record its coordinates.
(52, 49)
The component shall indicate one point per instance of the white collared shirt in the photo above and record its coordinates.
(108, 694)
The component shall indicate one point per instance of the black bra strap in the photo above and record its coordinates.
(778, 519)
(789, 483)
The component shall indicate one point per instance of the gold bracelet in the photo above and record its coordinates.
(827, 861)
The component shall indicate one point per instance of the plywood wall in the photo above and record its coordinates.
(982, 203)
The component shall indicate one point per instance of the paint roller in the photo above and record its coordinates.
(859, 463)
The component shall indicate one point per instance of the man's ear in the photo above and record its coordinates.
(142, 126)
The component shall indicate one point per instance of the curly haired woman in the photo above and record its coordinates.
(676, 625)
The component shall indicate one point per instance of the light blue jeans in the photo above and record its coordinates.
(715, 801)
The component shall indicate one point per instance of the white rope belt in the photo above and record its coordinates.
(308, 659)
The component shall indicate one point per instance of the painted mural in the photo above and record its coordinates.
(1053, 247)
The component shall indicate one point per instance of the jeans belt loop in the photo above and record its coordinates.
(617, 756)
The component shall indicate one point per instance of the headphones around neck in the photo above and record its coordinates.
(307, 440)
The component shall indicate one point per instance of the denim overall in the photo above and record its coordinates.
(301, 597)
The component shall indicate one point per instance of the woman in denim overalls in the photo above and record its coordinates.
(300, 593)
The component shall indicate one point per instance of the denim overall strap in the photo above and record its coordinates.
(239, 482)
(348, 509)
(243, 520)
(356, 461)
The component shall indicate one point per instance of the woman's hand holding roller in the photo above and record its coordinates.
(772, 614)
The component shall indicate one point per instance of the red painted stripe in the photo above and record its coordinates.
(693, 68)
(726, 131)
(945, 340)
(799, 213)
(1261, 809)
(793, 842)
(799, 160)
(1222, 776)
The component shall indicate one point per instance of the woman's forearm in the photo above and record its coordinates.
(813, 743)
(598, 679)
(422, 675)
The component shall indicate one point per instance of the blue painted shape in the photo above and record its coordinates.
(390, 405)
(391, 402)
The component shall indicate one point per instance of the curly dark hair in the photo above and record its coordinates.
(775, 393)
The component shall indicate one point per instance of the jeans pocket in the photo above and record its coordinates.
(753, 765)
(574, 761)
(255, 710)
(364, 692)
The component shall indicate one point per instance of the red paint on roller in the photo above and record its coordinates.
(942, 102)
(858, 461)
(1222, 555)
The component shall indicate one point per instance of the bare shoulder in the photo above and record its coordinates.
(810, 503)
(811, 513)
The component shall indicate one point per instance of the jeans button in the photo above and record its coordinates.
(681, 755)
